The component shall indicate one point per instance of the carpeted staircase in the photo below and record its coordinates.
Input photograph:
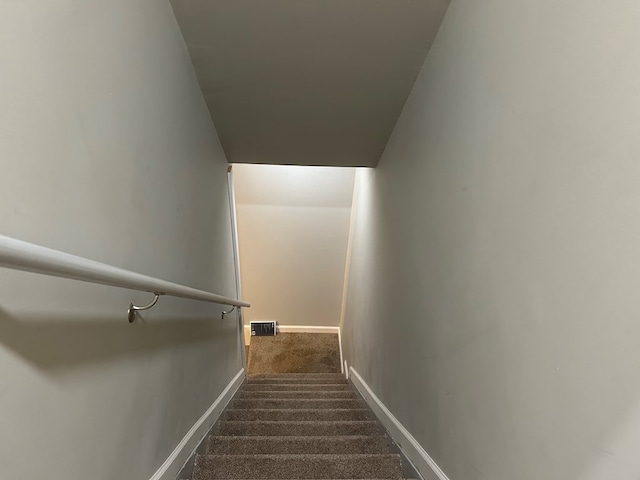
(304, 426)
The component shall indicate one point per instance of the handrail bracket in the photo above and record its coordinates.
(227, 313)
(133, 309)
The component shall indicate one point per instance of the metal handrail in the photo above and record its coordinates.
(28, 257)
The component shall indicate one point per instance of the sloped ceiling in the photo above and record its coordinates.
(307, 82)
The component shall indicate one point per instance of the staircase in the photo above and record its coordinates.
(304, 426)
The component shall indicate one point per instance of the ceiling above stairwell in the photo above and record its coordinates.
(307, 82)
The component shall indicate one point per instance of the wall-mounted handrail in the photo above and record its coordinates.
(20, 255)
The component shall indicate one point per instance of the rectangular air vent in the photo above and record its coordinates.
(259, 329)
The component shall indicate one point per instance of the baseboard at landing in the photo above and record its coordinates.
(303, 329)
(294, 329)
(423, 463)
(172, 465)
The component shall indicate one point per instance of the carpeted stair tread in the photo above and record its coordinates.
(340, 381)
(229, 445)
(254, 387)
(262, 428)
(310, 394)
(281, 403)
(292, 414)
(323, 378)
(298, 426)
(350, 466)
(296, 375)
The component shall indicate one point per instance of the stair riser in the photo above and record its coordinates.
(299, 428)
(259, 387)
(295, 403)
(297, 445)
(324, 381)
(305, 467)
(297, 375)
(293, 394)
(292, 415)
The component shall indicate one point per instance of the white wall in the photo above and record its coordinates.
(496, 250)
(107, 151)
(293, 226)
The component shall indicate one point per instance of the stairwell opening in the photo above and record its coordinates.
(293, 226)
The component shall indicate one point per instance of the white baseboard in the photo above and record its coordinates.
(424, 464)
(307, 329)
(302, 329)
(172, 465)
(342, 371)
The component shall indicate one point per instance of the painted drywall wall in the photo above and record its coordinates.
(293, 226)
(107, 151)
(492, 300)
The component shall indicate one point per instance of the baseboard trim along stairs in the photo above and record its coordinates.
(172, 465)
(298, 426)
(421, 460)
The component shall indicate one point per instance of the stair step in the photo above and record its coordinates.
(254, 387)
(353, 466)
(298, 375)
(227, 445)
(298, 394)
(281, 403)
(293, 415)
(283, 379)
(262, 428)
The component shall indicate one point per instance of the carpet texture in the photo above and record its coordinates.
(296, 417)
(294, 353)
(298, 426)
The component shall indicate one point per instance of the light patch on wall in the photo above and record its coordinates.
(293, 229)
(617, 455)
(294, 185)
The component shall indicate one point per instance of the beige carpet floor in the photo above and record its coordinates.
(294, 353)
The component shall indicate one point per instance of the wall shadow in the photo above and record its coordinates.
(52, 343)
